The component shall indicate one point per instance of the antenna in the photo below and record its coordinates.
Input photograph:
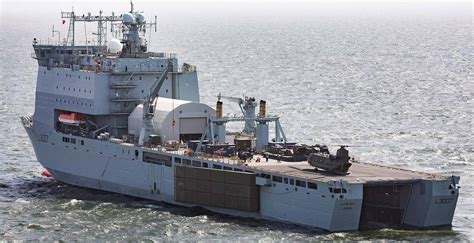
(59, 34)
(100, 19)
(131, 6)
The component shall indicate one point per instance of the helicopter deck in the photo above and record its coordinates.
(358, 173)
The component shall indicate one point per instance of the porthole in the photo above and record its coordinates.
(140, 78)
(56, 87)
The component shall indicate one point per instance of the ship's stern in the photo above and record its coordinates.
(432, 203)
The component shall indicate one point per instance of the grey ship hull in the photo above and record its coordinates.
(119, 168)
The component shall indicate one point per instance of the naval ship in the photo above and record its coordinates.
(116, 117)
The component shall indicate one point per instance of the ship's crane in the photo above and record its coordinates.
(247, 106)
(149, 104)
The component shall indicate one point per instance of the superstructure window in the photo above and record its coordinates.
(285, 180)
(337, 190)
(277, 179)
(186, 161)
(300, 183)
(156, 158)
(216, 166)
(196, 163)
(177, 160)
(312, 185)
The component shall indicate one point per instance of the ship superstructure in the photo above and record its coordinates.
(116, 117)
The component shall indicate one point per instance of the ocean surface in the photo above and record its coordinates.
(395, 81)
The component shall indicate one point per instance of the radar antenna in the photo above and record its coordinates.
(101, 25)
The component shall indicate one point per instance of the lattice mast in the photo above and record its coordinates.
(101, 25)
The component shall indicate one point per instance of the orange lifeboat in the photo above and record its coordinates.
(74, 119)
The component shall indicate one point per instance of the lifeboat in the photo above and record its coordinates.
(74, 119)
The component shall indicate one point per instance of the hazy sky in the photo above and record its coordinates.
(44, 14)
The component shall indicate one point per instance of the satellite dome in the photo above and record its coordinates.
(114, 46)
(140, 18)
(127, 18)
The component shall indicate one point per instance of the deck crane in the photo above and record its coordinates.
(247, 106)
(149, 104)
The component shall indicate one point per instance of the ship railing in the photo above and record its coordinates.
(162, 54)
(233, 160)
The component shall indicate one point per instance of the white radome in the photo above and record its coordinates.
(140, 18)
(114, 46)
(128, 18)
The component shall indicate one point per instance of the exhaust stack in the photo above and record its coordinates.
(263, 108)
